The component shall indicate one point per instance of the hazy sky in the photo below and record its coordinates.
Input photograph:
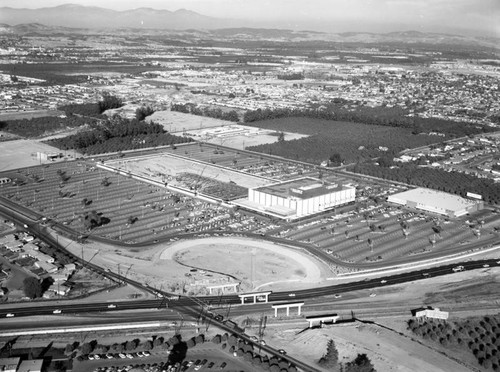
(462, 16)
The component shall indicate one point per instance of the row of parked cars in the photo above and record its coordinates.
(139, 354)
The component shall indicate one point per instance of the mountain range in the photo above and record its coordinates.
(78, 16)
(71, 18)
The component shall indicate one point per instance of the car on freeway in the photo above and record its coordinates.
(9, 315)
(486, 265)
(373, 294)
(426, 275)
(254, 338)
(57, 311)
(263, 343)
(337, 295)
(282, 352)
(111, 306)
(458, 268)
(291, 295)
(383, 281)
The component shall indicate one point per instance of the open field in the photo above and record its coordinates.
(240, 136)
(217, 260)
(174, 121)
(22, 153)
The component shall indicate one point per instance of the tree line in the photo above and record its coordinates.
(36, 127)
(216, 113)
(96, 109)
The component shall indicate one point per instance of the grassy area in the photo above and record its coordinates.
(353, 141)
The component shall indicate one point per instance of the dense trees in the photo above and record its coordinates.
(393, 117)
(361, 364)
(109, 102)
(142, 112)
(216, 113)
(32, 287)
(477, 335)
(117, 135)
(83, 109)
(36, 127)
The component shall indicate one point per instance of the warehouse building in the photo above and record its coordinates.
(436, 202)
(299, 198)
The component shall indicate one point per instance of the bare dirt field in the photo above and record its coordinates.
(248, 136)
(387, 350)
(22, 153)
(174, 121)
(172, 166)
(219, 260)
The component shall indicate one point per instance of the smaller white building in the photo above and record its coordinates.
(429, 312)
(436, 202)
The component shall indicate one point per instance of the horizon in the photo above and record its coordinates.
(464, 17)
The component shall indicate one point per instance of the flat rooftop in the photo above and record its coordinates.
(435, 198)
(303, 188)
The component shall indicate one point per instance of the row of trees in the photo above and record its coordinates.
(34, 287)
(452, 182)
(92, 109)
(36, 127)
(217, 113)
(393, 117)
(478, 335)
(238, 347)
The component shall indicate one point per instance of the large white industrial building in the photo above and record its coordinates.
(298, 198)
(436, 201)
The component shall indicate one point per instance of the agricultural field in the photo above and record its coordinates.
(353, 141)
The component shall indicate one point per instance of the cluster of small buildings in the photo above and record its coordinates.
(22, 250)
(474, 156)
(37, 97)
